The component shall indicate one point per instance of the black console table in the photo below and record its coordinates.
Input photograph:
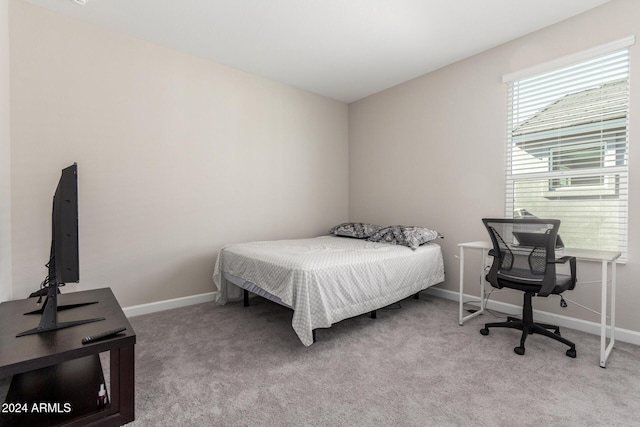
(57, 373)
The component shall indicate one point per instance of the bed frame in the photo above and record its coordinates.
(373, 314)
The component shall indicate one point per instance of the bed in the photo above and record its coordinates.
(326, 279)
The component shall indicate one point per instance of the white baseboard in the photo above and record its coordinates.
(152, 307)
(626, 335)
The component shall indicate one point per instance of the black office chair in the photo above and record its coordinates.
(524, 259)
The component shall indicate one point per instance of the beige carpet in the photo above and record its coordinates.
(206, 365)
(414, 366)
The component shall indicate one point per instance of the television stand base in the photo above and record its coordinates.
(62, 307)
(55, 327)
(49, 312)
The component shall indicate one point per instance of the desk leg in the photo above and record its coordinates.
(482, 280)
(613, 306)
(605, 350)
(462, 318)
(603, 316)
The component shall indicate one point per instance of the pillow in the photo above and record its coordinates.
(410, 236)
(417, 236)
(359, 230)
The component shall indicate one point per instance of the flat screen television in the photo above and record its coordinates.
(64, 227)
(63, 262)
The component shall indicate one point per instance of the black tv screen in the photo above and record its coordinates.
(65, 227)
(63, 262)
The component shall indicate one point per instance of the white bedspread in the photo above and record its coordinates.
(328, 279)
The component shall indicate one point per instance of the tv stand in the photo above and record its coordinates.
(70, 371)
(49, 312)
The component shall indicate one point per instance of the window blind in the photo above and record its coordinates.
(567, 150)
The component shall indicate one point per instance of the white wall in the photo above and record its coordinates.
(5, 158)
(431, 151)
(177, 156)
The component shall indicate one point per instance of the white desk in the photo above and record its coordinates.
(604, 257)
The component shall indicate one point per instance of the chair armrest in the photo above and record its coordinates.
(562, 260)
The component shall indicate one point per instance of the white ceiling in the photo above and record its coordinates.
(343, 49)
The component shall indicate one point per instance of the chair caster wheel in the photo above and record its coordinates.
(484, 331)
(571, 352)
(519, 350)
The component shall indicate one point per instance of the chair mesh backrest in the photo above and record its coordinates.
(538, 260)
(506, 256)
(522, 245)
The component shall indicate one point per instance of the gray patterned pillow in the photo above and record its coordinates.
(359, 230)
(410, 236)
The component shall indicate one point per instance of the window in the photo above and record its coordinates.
(567, 146)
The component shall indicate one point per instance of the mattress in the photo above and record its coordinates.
(327, 279)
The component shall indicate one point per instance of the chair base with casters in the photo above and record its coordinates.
(528, 327)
